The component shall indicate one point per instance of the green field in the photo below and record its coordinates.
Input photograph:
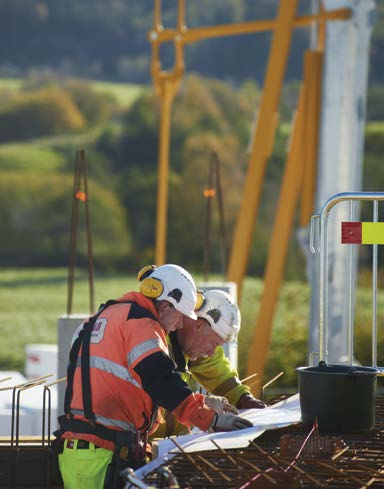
(33, 157)
(11, 83)
(377, 126)
(33, 299)
(124, 93)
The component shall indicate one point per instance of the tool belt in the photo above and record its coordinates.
(79, 426)
(130, 447)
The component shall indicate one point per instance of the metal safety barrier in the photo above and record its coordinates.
(349, 233)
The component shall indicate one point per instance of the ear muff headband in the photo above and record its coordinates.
(145, 272)
(200, 300)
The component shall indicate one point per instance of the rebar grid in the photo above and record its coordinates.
(25, 460)
(316, 447)
(319, 460)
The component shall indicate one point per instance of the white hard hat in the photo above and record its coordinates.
(221, 312)
(170, 283)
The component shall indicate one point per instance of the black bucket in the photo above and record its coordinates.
(342, 398)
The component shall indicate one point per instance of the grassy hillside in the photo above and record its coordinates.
(123, 93)
(33, 157)
(10, 83)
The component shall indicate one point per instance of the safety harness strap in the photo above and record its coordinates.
(85, 363)
(83, 340)
(85, 372)
(73, 354)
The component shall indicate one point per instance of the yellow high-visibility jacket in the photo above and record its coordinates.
(215, 374)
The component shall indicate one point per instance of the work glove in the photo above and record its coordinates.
(219, 404)
(247, 401)
(228, 422)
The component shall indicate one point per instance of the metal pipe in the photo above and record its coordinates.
(20, 390)
(323, 286)
(312, 234)
(351, 295)
(374, 290)
(89, 234)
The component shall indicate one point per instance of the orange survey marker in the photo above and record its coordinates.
(81, 196)
(209, 192)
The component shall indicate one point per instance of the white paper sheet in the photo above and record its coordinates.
(282, 414)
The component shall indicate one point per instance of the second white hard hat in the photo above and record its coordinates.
(221, 312)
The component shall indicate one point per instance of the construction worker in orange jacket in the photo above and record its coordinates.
(199, 355)
(120, 373)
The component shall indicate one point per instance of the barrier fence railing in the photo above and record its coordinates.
(352, 233)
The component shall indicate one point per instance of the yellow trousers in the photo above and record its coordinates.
(84, 468)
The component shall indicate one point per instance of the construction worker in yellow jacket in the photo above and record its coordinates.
(198, 353)
(120, 373)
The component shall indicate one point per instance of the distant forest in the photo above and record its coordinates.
(107, 39)
(47, 45)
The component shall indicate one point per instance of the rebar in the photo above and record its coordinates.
(353, 460)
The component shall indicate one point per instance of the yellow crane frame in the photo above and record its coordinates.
(303, 148)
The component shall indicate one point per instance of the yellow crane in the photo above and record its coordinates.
(303, 147)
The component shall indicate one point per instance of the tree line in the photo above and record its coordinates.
(121, 144)
(107, 39)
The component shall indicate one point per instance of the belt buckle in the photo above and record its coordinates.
(77, 444)
(71, 444)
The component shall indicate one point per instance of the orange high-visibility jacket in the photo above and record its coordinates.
(131, 373)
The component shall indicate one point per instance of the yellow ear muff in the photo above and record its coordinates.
(151, 287)
(199, 300)
(145, 272)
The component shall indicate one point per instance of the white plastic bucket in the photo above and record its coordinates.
(40, 359)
